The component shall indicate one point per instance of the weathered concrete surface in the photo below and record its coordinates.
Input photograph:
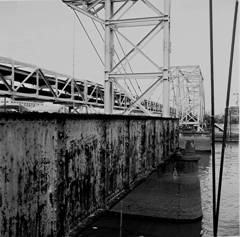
(27, 175)
(56, 170)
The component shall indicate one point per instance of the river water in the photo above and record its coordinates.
(229, 209)
(108, 225)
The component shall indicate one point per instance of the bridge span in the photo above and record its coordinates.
(25, 82)
(59, 169)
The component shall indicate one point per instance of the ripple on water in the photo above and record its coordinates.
(229, 209)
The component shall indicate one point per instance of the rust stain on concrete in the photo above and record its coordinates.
(57, 170)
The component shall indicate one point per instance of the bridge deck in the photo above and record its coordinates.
(23, 81)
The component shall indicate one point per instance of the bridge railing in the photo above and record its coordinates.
(22, 81)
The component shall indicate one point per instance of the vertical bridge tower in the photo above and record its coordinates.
(111, 15)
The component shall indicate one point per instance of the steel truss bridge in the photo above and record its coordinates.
(179, 89)
(22, 81)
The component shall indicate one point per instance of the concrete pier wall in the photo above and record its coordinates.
(56, 170)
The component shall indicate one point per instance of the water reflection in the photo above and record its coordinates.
(109, 224)
(229, 209)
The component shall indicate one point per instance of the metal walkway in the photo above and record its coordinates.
(22, 81)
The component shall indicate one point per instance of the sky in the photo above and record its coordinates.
(42, 33)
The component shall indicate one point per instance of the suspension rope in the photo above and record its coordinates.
(94, 23)
(119, 70)
(115, 53)
(73, 49)
(124, 53)
(98, 54)
(124, 71)
(88, 36)
(73, 59)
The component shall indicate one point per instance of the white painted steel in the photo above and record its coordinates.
(166, 60)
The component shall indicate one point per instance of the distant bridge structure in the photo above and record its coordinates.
(118, 19)
(26, 82)
(115, 17)
(23, 81)
(187, 93)
(175, 91)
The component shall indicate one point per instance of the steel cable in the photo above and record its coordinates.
(116, 55)
(119, 42)
(88, 36)
(123, 69)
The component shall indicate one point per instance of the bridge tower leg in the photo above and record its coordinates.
(111, 14)
(166, 60)
(109, 50)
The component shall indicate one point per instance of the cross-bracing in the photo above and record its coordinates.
(111, 14)
(22, 81)
(179, 89)
(188, 99)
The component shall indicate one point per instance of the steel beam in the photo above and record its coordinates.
(137, 22)
(146, 75)
(158, 20)
(138, 45)
(86, 13)
(166, 60)
(151, 6)
(108, 95)
(141, 98)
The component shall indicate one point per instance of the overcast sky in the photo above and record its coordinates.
(41, 33)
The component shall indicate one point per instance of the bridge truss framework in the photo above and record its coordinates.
(26, 82)
(182, 86)
(113, 20)
(187, 94)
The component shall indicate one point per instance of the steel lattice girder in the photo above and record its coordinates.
(28, 82)
(24, 81)
(187, 86)
(112, 19)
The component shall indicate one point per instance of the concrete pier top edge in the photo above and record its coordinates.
(50, 116)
